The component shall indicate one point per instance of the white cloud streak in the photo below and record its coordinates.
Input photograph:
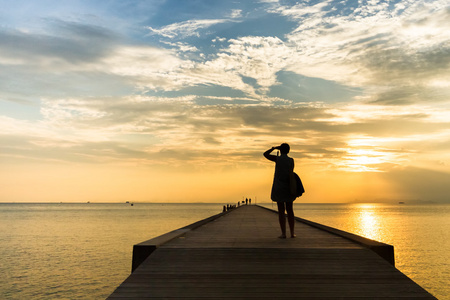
(186, 29)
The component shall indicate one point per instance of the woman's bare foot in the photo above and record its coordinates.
(283, 236)
(293, 236)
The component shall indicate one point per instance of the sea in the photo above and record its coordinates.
(84, 250)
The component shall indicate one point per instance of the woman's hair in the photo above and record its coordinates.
(284, 148)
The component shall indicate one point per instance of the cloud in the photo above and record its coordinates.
(63, 61)
(236, 13)
(372, 45)
(69, 43)
(302, 10)
(125, 67)
(183, 47)
(48, 62)
(248, 64)
(351, 138)
(186, 28)
(146, 67)
(354, 49)
(83, 60)
(257, 57)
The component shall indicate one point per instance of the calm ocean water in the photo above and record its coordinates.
(83, 251)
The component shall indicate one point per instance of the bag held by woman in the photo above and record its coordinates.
(297, 188)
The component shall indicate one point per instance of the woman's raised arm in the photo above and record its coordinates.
(270, 156)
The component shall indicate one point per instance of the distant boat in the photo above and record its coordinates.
(401, 202)
(127, 202)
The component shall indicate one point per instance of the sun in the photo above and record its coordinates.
(364, 160)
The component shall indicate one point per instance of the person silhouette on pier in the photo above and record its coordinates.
(281, 187)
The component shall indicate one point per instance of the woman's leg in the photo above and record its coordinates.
(291, 219)
(282, 219)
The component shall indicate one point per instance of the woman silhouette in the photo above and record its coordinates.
(281, 188)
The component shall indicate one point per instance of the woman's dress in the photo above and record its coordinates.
(284, 166)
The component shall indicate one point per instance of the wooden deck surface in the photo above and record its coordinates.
(238, 256)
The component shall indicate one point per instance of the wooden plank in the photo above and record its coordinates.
(238, 256)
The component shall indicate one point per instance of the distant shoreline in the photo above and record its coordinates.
(390, 202)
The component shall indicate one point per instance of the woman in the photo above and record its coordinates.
(281, 188)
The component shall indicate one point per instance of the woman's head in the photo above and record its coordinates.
(284, 148)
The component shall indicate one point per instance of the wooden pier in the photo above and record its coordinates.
(237, 255)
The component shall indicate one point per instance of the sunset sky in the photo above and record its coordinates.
(173, 101)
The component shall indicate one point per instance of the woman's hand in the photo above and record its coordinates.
(270, 156)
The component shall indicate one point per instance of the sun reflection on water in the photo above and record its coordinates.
(368, 221)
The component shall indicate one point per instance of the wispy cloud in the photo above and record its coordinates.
(186, 28)
(236, 13)
(68, 43)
